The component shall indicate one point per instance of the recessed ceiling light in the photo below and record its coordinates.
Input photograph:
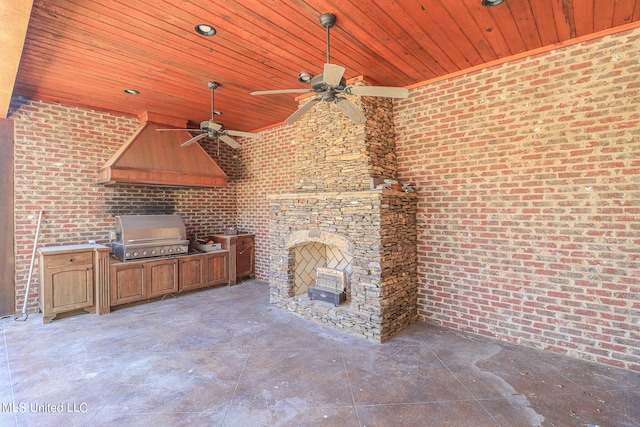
(131, 91)
(489, 3)
(205, 30)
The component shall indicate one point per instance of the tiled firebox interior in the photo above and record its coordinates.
(226, 357)
(309, 257)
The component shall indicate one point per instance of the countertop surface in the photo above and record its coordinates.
(71, 248)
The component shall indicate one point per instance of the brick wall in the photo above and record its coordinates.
(528, 185)
(58, 150)
(528, 178)
(265, 167)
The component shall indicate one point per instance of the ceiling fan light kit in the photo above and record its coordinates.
(305, 77)
(331, 86)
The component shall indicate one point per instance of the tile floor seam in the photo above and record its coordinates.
(421, 402)
(460, 382)
(235, 388)
(615, 408)
(593, 393)
(346, 372)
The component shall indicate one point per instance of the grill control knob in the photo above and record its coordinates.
(153, 252)
(127, 254)
(135, 253)
(161, 251)
(145, 253)
(178, 250)
(171, 250)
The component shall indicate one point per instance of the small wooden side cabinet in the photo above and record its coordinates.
(241, 249)
(69, 276)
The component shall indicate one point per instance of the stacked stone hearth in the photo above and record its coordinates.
(335, 219)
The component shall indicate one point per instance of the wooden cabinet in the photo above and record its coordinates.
(241, 249)
(135, 281)
(245, 256)
(203, 270)
(192, 272)
(68, 278)
(126, 282)
(162, 276)
(216, 268)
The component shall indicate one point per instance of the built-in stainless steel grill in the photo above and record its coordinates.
(148, 236)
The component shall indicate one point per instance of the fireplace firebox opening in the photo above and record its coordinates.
(309, 257)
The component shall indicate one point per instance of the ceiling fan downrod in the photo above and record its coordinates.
(213, 86)
(328, 20)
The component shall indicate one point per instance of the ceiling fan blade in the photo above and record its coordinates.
(214, 125)
(245, 134)
(278, 91)
(302, 110)
(182, 130)
(194, 139)
(386, 91)
(332, 74)
(351, 111)
(229, 141)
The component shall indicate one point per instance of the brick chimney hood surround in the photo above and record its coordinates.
(157, 158)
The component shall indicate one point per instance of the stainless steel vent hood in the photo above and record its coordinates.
(157, 158)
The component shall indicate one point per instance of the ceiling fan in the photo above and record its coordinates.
(331, 86)
(213, 129)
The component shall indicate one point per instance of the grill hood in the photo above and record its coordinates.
(157, 158)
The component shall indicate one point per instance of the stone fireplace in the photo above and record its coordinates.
(338, 219)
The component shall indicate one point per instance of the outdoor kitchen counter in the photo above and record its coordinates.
(145, 279)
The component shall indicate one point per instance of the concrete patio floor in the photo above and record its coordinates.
(224, 357)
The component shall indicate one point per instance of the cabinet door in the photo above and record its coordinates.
(244, 256)
(192, 272)
(70, 288)
(217, 272)
(126, 282)
(162, 277)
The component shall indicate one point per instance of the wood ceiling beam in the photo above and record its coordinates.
(14, 16)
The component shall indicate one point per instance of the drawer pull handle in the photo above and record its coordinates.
(70, 259)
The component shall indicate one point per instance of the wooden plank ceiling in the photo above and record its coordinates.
(86, 52)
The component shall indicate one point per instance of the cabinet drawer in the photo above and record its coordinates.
(69, 259)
